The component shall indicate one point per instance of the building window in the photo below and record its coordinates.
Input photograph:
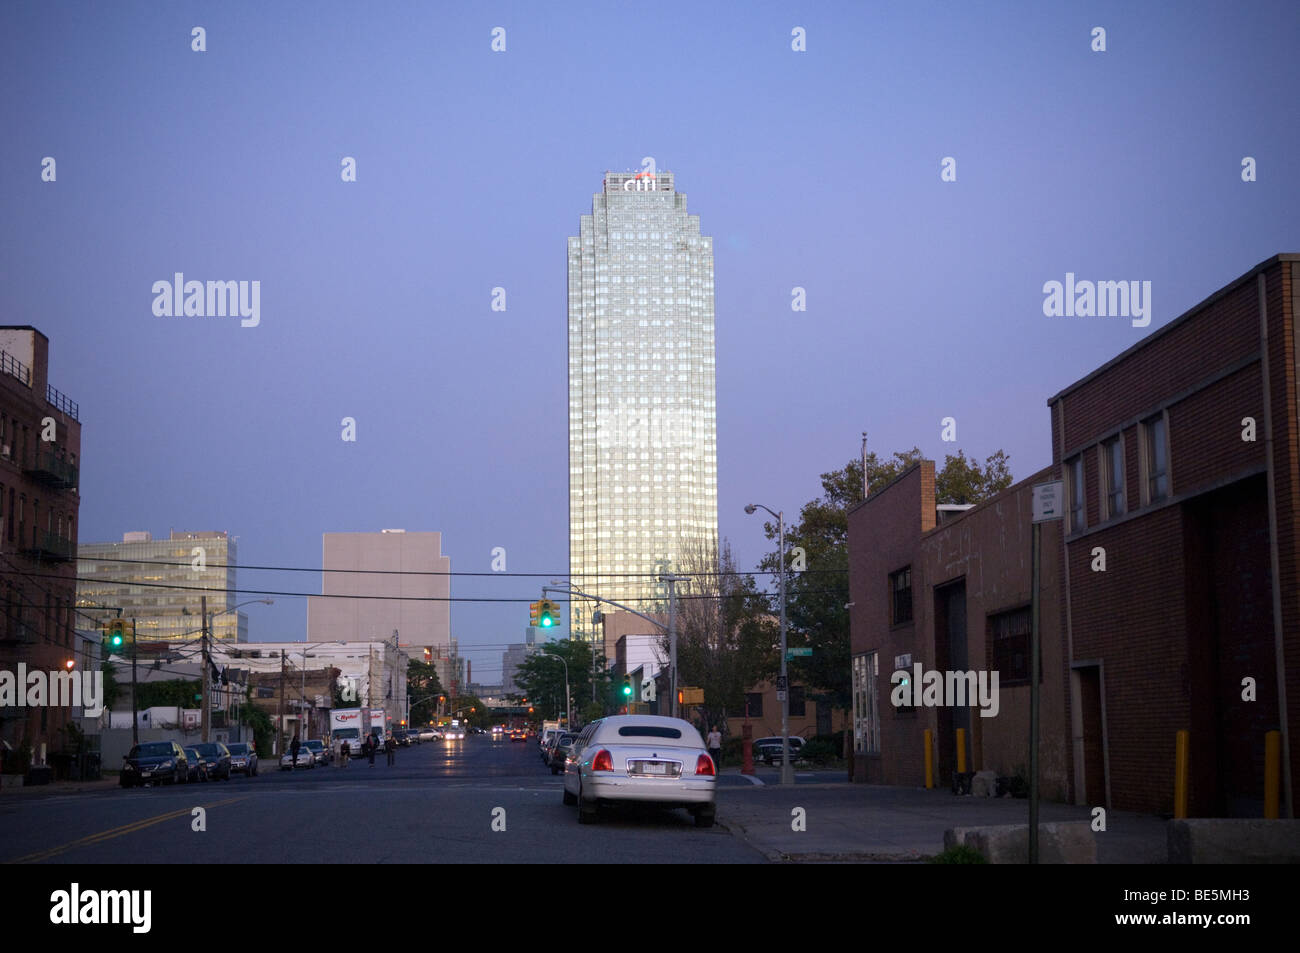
(1008, 640)
(754, 702)
(866, 716)
(796, 701)
(900, 588)
(1157, 458)
(1112, 464)
(1074, 488)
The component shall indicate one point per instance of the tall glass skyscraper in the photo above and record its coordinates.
(642, 395)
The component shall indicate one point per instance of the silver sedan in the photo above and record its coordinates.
(645, 758)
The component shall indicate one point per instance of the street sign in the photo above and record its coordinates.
(791, 653)
(1049, 500)
(780, 695)
(782, 682)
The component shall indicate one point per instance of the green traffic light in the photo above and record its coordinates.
(547, 622)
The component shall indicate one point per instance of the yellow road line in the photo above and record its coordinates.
(117, 832)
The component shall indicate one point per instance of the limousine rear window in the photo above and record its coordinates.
(648, 731)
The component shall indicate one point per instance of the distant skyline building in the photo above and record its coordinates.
(642, 393)
(160, 583)
(514, 656)
(372, 588)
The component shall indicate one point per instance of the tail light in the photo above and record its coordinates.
(604, 761)
(704, 766)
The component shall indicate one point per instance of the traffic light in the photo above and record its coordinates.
(550, 614)
(115, 637)
(534, 613)
(627, 687)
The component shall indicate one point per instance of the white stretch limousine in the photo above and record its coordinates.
(645, 758)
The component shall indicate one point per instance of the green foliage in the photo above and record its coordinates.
(112, 689)
(961, 854)
(819, 751)
(174, 693)
(593, 711)
(726, 634)
(19, 760)
(421, 684)
(541, 678)
(815, 600)
(480, 717)
(262, 727)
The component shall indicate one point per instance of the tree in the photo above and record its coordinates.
(422, 684)
(541, 678)
(816, 596)
(726, 635)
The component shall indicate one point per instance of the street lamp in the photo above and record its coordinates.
(783, 685)
(568, 721)
(207, 627)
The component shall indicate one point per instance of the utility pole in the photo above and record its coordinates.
(279, 733)
(135, 717)
(203, 678)
(672, 580)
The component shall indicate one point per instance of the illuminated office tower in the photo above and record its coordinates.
(642, 406)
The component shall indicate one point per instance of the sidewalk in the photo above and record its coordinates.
(9, 786)
(870, 822)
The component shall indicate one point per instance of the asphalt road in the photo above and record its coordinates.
(438, 803)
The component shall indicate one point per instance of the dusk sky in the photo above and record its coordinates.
(817, 169)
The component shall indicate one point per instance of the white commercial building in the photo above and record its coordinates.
(642, 395)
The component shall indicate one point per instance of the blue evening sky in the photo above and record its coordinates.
(817, 169)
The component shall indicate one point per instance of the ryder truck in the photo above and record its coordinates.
(350, 726)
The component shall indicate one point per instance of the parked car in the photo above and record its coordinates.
(319, 750)
(198, 767)
(306, 759)
(644, 758)
(163, 762)
(552, 746)
(216, 759)
(561, 750)
(243, 758)
(768, 750)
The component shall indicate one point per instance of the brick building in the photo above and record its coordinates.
(40, 450)
(1165, 455)
(949, 588)
(1170, 591)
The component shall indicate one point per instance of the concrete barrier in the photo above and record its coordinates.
(1059, 842)
(1238, 840)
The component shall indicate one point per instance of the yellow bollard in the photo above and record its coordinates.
(929, 759)
(961, 750)
(1181, 746)
(1272, 773)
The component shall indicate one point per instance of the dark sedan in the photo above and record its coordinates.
(161, 762)
(198, 767)
(216, 759)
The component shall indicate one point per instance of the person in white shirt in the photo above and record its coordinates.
(714, 744)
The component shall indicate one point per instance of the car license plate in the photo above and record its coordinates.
(145, 774)
(654, 767)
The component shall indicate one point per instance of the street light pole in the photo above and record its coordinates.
(783, 685)
(568, 715)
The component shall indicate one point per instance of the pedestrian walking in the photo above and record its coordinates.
(293, 747)
(390, 747)
(344, 751)
(714, 744)
(371, 745)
